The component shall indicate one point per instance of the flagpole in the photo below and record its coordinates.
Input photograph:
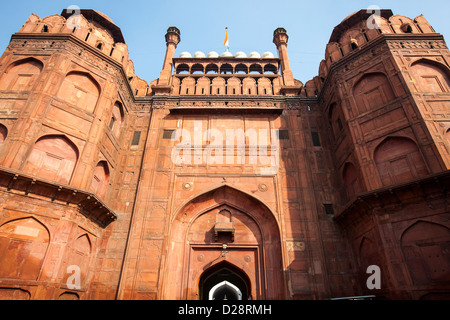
(226, 43)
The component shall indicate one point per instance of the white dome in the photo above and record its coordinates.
(267, 55)
(227, 54)
(254, 55)
(199, 54)
(185, 54)
(240, 54)
(212, 54)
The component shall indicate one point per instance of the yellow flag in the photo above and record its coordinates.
(226, 42)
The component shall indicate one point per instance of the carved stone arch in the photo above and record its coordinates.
(241, 68)
(256, 68)
(264, 86)
(83, 244)
(203, 86)
(398, 159)
(234, 86)
(426, 249)
(23, 247)
(175, 85)
(53, 157)
(351, 40)
(187, 86)
(400, 24)
(226, 68)
(352, 180)
(270, 68)
(218, 273)
(80, 89)
(191, 240)
(249, 86)
(117, 118)
(197, 68)
(55, 23)
(218, 86)
(371, 91)
(3, 133)
(212, 68)
(69, 296)
(21, 75)
(100, 178)
(432, 76)
(182, 68)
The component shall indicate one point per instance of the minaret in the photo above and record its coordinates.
(172, 40)
(280, 38)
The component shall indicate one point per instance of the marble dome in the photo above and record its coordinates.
(185, 54)
(254, 55)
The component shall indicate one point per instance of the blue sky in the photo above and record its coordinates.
(202, 24)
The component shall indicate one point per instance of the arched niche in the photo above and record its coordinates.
(23, 246)
(77, 259)
(234, 86)
(100, 179)
(372, 91)
(249, 86)
(351, 180)
(431, 76)
(218, 86)
(117, 118)
(264, 86)
(53, 158)
(192, 241)
(3, 133)
(335, 118)
(81, 90)
(398, 160)
(69, 296)
(203, 86)
(426, 249)
(187, 86)
(21, 75)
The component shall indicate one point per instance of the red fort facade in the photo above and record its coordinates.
(225, 176)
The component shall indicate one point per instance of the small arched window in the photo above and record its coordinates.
(99, 46)
(100, 179)
(406, 28)
(3, 133)
(354, 45)
(116, 121)
(45, 28)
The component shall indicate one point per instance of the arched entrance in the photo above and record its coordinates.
(224, 240)
(224, 282)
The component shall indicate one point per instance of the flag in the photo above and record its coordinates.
(226, 42)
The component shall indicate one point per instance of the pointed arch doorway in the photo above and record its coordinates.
(227, 241)
(224, 281)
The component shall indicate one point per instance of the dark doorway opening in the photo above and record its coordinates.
(224, 282)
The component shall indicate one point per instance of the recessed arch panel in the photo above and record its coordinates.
(53, 158)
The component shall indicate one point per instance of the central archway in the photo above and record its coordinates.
(224, 281)
(223, 235)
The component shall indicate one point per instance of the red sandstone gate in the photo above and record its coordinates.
(223, 230)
